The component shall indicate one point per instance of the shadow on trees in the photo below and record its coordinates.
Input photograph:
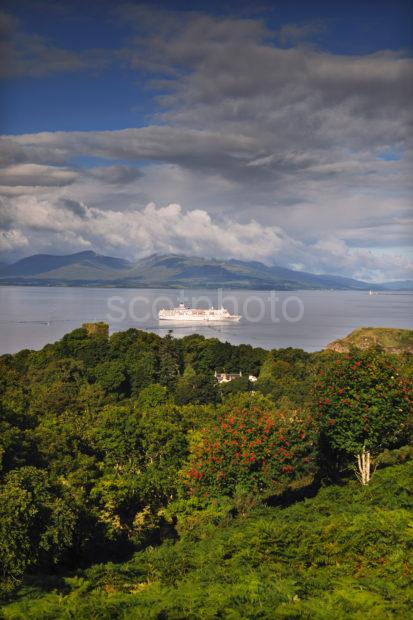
(291, 496)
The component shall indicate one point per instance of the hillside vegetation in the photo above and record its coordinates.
(390, 339)
(343, 554)
(133, 485)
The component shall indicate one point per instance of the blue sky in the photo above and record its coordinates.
(115, 97)
(285, 122)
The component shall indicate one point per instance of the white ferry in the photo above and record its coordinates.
(184, 313)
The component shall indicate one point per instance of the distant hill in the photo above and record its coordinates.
(398, 285)
(66, 266)
(172, 271)
(390, 339)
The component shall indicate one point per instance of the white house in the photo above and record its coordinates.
(226, 377)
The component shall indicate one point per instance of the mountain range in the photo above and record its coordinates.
(172, 271)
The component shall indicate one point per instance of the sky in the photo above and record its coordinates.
(277, 131)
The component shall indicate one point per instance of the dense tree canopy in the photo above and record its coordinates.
(104, 442)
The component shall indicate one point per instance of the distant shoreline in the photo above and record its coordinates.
(180, 287)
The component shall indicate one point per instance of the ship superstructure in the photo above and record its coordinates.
(184, 313)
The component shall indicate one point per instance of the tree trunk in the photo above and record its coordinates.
(363, 462)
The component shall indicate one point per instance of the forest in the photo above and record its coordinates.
(134, 485)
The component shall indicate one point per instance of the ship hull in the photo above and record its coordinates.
(197, 315)
(200, 319)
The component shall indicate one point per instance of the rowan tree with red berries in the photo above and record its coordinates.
(251, 445)
(363, 406)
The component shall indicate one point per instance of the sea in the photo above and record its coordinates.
(32, 316)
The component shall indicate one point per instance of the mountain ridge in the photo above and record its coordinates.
(88, 268)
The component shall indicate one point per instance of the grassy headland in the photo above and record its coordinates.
(390, 339)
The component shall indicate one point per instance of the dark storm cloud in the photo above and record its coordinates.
(116, 175)
(184, 146)
(75, 207)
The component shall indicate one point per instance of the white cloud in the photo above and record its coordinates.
(11, 240)
(66, 225)
(35, 174)
(276, 154)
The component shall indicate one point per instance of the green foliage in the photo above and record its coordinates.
(152, 396)
(164, 448)
(139, 454)
(344, 554)
(362, 401)
(141, 367)
(91, 349)
(65, 370)
(170, 362)
(207, 355)
(116, 435)
(286, 373)
(36, 524)
(111, 376)
(198, 389)
(393, 457)
(110, 446)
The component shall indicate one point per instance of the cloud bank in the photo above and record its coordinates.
(292, 155)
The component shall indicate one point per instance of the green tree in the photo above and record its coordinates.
(142, 369)
(91, 349)
(53, 399)
(65, 370)
(195, 388)
(55, 385)
(165, 446)
(36, 524)
(170, 362)
(116, 437)
(122, 343)
(152, 397)
(250, 359)
(286, 373)
(140, 455)
(111, 376)
(17, 443)
(363, 406)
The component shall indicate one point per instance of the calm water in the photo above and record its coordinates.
(31, 317)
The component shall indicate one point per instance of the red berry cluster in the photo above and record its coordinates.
(253, 446)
